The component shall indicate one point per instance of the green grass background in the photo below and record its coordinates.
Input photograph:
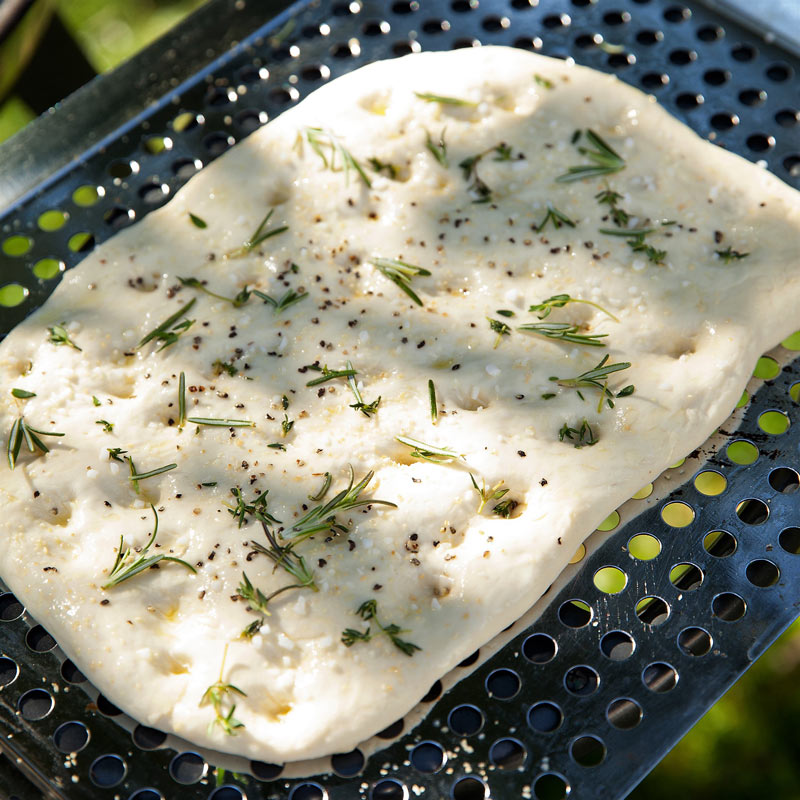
(747, 746)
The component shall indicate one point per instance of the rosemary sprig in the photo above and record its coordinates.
(257, 508)
(611, 198)
(182, 400)
(135, 476)
(221, 423)
(198, 222)
(127, 565)
(22, 432)
(500, 328)
(170, 329)
(288, 298)
(487, 495)
(283, 556)
(556, 217)
(322, 518)
(215, 696)
(365, 408)
(729, 255)
(561, 300)
(329, 374)
(428, 97)
(368, 610)
(326, 484)
(400, 273)
(438, 149)
(108, 427)
(564, 332)
(22, 394)
(321, 138)
(604, 161)
(258, 236)
(194, 283)
(597, 378)
(433, 404)
(581, 437)
(429, 452)
(59, 335)
(469, 170)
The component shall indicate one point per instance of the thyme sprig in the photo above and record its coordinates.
(429, 97)
(635, 239)
(284, 556)
(500, 328)
(469, 170)
(563, 331)
(215, 696)
(108, 427)
(438, 149)
(555, 217)
(544, 82)
(257, 508)
(561, 300)
(487, 495)
(329, 374)
(365, 408)
(597, 378)
(505, 508)
(368, 610)
(194, 283)
(400, 273)
(619, 217)
(59, 335)
(604, 160)
(581, 437)
(323, 518)
(259, 235)
(127, 564)
(135, 476)
(383, 166)
(198, 222)
(288, 298)
(286, 424)
(170, 329)
(429, 452)
(22, 432)
(114, 453)
(321, 138)
(729, 255)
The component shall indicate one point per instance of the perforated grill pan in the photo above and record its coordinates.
(587, 692)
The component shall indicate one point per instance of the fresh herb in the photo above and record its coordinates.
(469, 169)
(259, 236)
(592, 379)
(554, 216)
(329, 374)
(322, 518)
(321, 138)
(288, 298)
(23, 394)
(209, 483)
(129, 564)
(365, 408)
(221, 423)
(326, 484)
(194, 283)
(444, 100)
(729, 255)
(108, 427)
(611, 198)
(544, 82)
(428, 452)
(438, 149)
(286, 424)
(257, 508)
(564, 332)
(22, 432)
(170, 329)
(581, 437)
(135, 476)
(95, 401)
(505, 508)
(215, 696)
(368, 610)
(500, 328)
(59, 335)
(380, 166)
(182, 400)
(284, 402)
(198, 222)
(434, 405)
(252, 629)
(114, 453)
(636, 241)
(561, 300)
(283, 556)
(256, 599)
(487, 495)
(605, 160)
(505, 312)
(400, 273)
(277, 446)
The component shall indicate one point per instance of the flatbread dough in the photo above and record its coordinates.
(690, 322)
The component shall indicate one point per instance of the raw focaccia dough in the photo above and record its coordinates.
(692, 329)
